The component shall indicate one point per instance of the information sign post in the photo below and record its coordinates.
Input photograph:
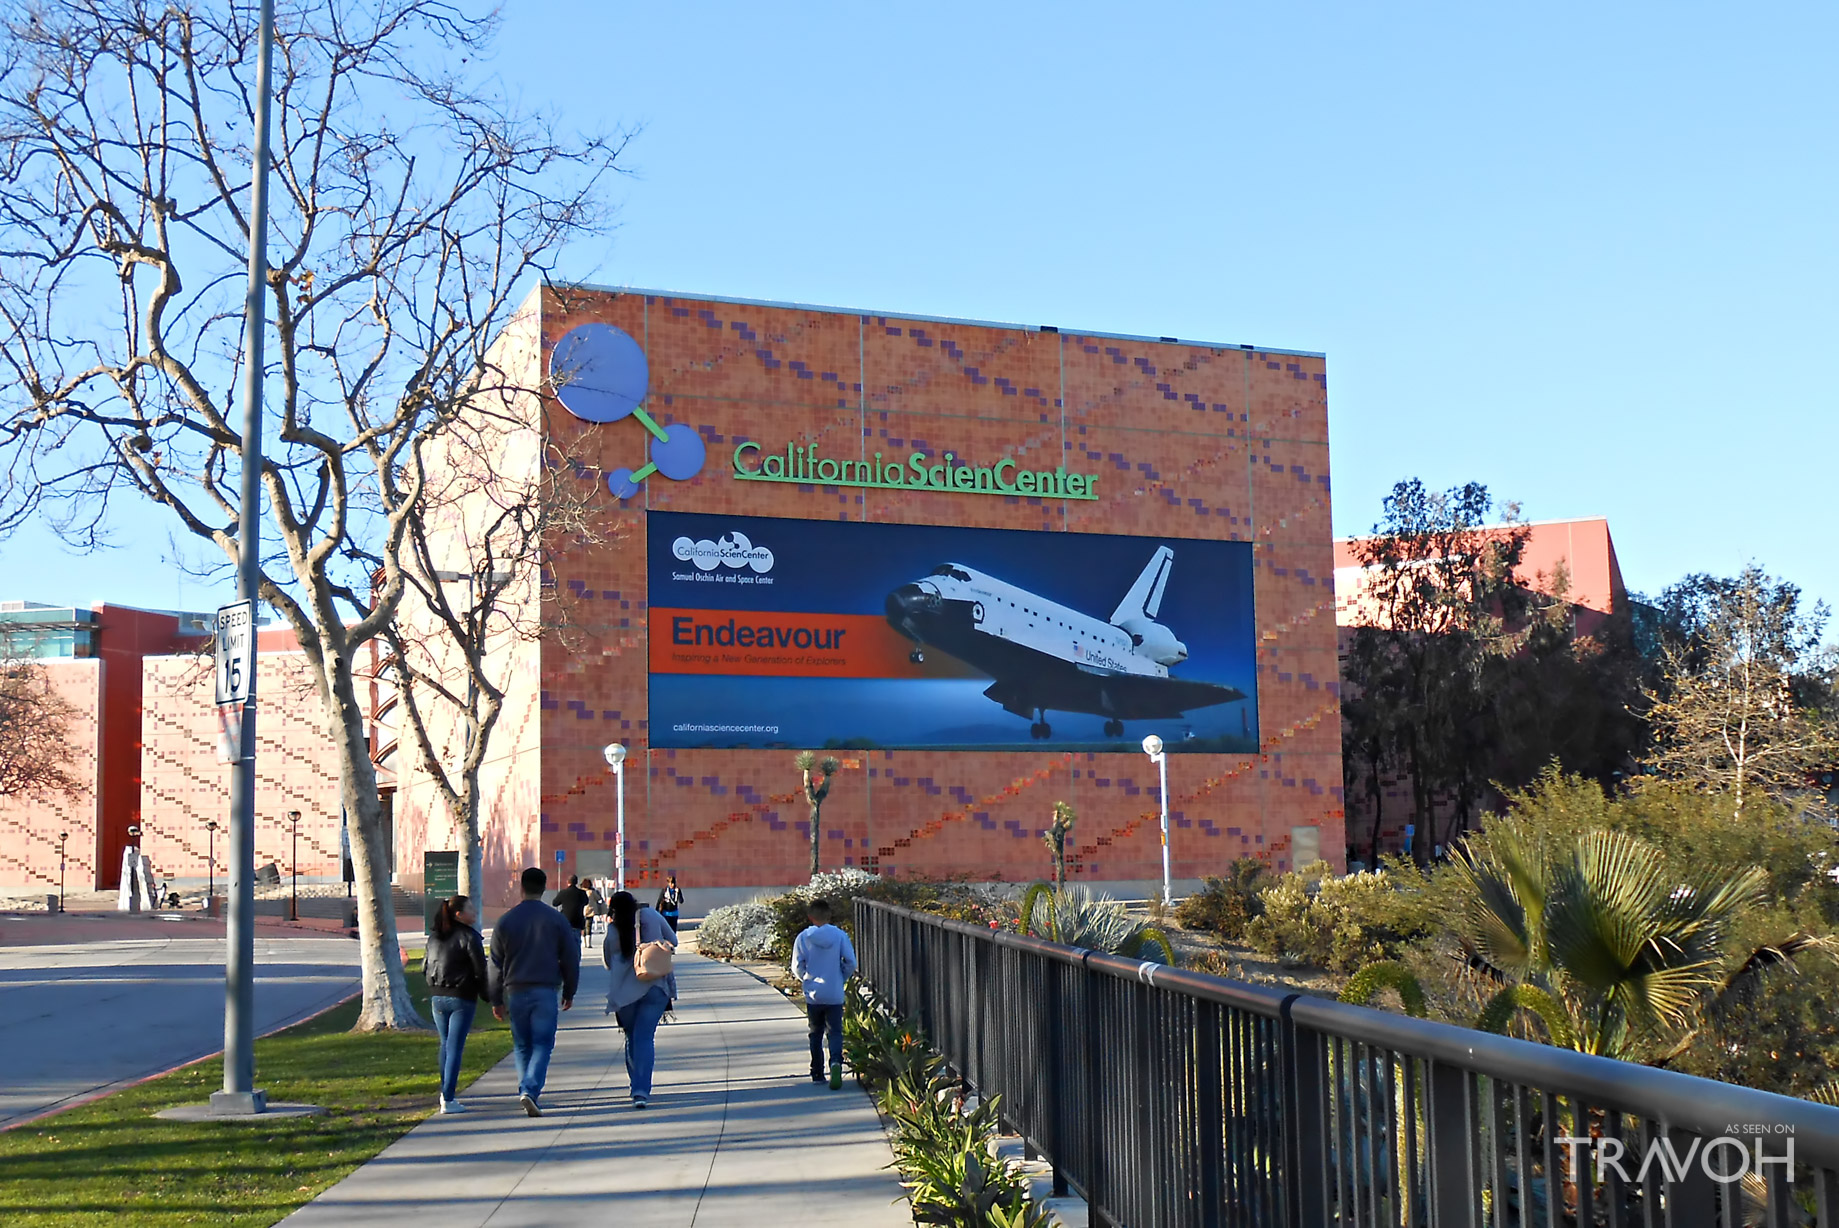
(440, 881)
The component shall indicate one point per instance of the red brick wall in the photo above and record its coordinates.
(183, 785)
(1190, 441)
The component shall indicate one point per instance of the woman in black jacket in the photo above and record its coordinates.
(454, 964)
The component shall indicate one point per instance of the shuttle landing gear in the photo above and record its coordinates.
(917, 656)
(1040, 729)
(1114, 729)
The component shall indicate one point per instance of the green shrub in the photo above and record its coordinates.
(1225, 906)
(1311, 917)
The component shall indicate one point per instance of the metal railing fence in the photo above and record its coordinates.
(1171, 1098)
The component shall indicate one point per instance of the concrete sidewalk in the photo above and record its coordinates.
(736, 1134)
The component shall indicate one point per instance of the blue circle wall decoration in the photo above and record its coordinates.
(601, 375)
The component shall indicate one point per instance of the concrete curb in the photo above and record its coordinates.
(100, 1093)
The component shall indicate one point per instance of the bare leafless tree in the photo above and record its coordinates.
(37, 759)
(410, 207)
(508, 490)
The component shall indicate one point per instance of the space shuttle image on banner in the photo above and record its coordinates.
(779, 633)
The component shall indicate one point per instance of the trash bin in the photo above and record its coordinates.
(351, 914)
(51, 903)
(213, 906)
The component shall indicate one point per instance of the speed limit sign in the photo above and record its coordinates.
(235, 652)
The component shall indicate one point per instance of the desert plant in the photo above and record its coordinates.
(1078, 918)
(1225, 905)
(840, 888)
(1055, 839)
(741, 931)
(1608, 949)
(1312, 917)
(881, 1047)
(817, 788)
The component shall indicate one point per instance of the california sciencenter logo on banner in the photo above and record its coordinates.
(768, 632)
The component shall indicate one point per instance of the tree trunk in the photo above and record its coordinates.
(472, 847)
(817, 811)
(387, 1003)
(1379, 809)
(1421, 816)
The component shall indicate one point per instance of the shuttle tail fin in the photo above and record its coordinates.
(1145, 596)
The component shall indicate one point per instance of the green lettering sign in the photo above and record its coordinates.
(801, 464)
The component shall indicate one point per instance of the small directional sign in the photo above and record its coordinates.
(235, 652)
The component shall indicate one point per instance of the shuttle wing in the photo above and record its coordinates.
(1145, 596)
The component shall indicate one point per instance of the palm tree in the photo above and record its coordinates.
(1077, 918)
(1611, 953)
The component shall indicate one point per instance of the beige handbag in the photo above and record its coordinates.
(651, 962)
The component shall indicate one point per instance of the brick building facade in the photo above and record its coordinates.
(1191, 440)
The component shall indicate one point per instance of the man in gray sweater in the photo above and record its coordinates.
(536, 965)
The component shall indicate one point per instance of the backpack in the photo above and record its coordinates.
(651, 962)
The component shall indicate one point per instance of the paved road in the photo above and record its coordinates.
(736, 1134)
(95, 1002)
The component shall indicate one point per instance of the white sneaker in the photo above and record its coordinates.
(452, 1106)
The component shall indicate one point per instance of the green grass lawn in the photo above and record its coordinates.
(113, 1162)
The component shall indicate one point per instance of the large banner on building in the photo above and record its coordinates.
(815, 634)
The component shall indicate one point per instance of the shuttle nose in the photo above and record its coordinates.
(909, 602)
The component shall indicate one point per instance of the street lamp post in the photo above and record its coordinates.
(61, 838)
(1152, 746)
(210, 863)
(293, 902)
(616, 759)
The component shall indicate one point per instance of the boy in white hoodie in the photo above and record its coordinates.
(823, 959)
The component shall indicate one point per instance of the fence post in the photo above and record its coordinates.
(1304, 1121)
(1210, 1115)
(1451, 1135)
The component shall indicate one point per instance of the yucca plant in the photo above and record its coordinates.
(1077, 918)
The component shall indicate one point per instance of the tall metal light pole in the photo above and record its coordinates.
(616, 759)
(61, 837)
(293, 902)
(239, 1094)
(1152, 746)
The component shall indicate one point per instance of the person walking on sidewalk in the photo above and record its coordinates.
(823, 958)
(670, 903)
(572, 903)
(454, 965)
(596, 907)
(536, 965)
(635, 995)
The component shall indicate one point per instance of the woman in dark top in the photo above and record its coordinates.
(670, 903)
(454, 964)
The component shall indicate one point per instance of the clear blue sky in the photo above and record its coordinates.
(1585, 254)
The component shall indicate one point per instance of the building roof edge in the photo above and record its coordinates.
(907, 315)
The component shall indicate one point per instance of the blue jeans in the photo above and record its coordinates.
(824, 1020)
(453, 1019)
(533, 1015)
(639, 1020)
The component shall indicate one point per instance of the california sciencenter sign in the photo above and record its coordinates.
(978, 563)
